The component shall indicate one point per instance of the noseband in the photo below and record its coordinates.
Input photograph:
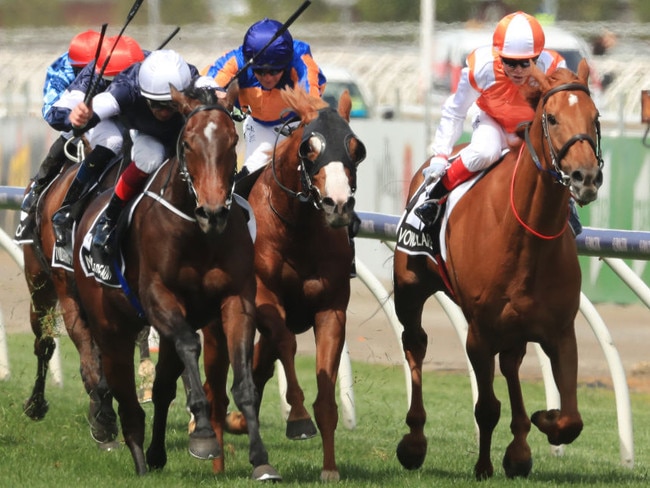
(182, 162)
(556, 157)
(329, 125)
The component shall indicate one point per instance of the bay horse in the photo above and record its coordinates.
(303, 203)
(513, 269)
(48, 285)
(188, 258)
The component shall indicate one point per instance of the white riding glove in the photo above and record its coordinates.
(437, 167)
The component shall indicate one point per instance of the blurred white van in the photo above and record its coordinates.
(339, 80)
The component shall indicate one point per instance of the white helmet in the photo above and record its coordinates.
(159, 70)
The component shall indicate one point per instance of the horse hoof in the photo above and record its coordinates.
(204, 447)
(302, 429)
(329, 475)
(517, 469)
(266, 472)
(108, 446)
(35, 409)
(412, 451)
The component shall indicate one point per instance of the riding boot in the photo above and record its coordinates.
(50, 166)
(64, 218)
(103, 243)
(574, 218)
(429, 211)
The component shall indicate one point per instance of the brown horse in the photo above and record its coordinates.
(303, 202)
(188, 259)
(513, 269)
(48, 285)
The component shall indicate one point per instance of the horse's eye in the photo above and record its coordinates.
(551, 119)
(186, 146)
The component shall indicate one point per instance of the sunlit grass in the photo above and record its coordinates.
(58, 451)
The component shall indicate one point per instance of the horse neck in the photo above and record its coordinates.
(536, 196)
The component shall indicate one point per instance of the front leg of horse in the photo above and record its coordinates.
(168, 369)
(562, 426)
(517, 460)
(203, 441)
(36, 406)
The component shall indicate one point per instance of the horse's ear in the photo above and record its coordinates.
(540, 78)
(179, 98)
(583, 71)
(345, 105)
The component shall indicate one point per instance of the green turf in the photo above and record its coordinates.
(58, 451)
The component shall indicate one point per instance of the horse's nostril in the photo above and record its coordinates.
(577, 176)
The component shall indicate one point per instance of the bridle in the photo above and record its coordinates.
(556, 157)
(182, 162)
(328, 125)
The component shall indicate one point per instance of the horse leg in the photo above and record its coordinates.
(239, 332)
(42, 317)
(488, 408)
(101, 416)
(562, 426)
(409, 303)
(329, 330)
(517, 460)
(118, 349)
(168, 369)
(203, 441)
(215, 365)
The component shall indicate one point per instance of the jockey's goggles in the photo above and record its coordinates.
(264, 71)
(513, 63)
(161, 104)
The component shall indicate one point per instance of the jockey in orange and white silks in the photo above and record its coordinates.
(286, 62)
(491, 84)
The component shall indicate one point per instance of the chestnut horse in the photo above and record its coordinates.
(188, 258)
(303, 203)
(513, 269)
(48, 285)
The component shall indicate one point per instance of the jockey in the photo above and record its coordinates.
(57, 114)
(286, 62)
(106, 136)
(141, 95)
(493, 78)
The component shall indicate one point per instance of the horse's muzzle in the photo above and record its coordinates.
(212, 219)
(585, 184)
(338, 214)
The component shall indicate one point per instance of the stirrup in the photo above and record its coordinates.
(103, 236)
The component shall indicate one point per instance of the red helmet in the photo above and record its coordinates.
(83, 48)
(126, 52)
(518, 36)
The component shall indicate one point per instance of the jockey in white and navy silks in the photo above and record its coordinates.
(492, 79)
(284, 63)
(141, 97)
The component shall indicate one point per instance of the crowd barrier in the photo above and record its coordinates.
(611, 245)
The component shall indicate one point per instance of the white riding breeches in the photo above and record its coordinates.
(259, 140)
(487, 143)
(107, 134)
(148, 153)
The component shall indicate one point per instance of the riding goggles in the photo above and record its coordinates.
(264, 71)
(513, 63)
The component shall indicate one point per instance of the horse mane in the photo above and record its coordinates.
(205, 95)
(303, 103)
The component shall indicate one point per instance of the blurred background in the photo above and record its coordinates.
(398, 58)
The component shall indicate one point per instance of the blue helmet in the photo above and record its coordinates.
(278, 55)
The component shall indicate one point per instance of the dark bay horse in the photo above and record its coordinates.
(189, 265)
(513, 269)
(48, 285)
(303, 202)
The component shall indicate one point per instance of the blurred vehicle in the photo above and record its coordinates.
(339, 80)
(452, 47)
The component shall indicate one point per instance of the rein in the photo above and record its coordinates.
(556, 157)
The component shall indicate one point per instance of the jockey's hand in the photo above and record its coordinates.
(80, 115)
(437, 167)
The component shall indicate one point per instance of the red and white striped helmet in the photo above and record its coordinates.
(518, 36)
